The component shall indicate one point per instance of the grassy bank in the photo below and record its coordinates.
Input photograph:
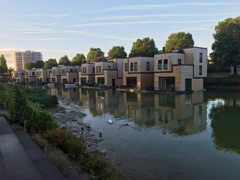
(25, 107)
(232, 80)
(25, 111)
(93, 163)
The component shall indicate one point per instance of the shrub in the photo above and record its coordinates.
(25, 112)
(93, 163)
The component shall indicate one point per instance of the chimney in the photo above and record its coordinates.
(163, 49)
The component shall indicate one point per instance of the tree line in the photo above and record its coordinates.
(226, 49)
(142, 47)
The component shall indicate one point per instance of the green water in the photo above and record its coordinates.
(156, 136)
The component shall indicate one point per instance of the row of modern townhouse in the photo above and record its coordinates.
(181, 70)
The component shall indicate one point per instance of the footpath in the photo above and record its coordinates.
(22, 159)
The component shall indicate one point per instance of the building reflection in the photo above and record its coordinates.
(180, 114)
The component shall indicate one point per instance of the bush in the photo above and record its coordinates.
(25, 112)
(93, 163)
(232, 80)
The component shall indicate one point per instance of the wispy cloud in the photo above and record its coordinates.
(145, 22)
(99, 35)
(43, 39)
(50, 15)
(157, 6)
(160, 15)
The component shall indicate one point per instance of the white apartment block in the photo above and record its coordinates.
(22, 58)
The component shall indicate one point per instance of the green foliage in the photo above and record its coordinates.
(232, 80)
(94, 53)
(117, 52)
(77, 60)
(179, 40)
(145, 47)
(24, 111)
(39, 64)
(29, 65)
(64, 61)
(39, 95)
(50, 63)
(93, 163)
(226, 48)
(225, 124)
(3, 65)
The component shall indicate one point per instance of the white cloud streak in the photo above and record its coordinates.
(99, 35)
(159, 15)
(144, 22)
(157, 6)
(50, 15)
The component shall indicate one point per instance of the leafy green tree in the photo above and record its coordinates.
(50, 63)
(64, 61)
(94, 53)
(39, 64)
(3, 64)
(117, 52)
(145, 47)
(179, 40)
(29, 65)
(78, 60)
(10, 70)
(226, 48)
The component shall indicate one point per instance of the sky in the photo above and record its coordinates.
(66, 27)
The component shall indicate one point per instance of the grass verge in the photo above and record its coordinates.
(93, 163)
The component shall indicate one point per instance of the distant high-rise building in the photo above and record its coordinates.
(22, 58)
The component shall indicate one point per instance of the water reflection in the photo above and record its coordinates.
(225, 121)
(168, 136)
(179, 114)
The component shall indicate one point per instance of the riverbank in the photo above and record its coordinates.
(231, 80)
(28, 113)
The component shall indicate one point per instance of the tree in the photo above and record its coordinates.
(50, 63)
(3, 64)
(94, 53)
(39, 64)
(179, 40)
(10, 70)
(64, 61)
(29, 65)
(226, 48)
(78, 60)
(117, 52)
(145, 47)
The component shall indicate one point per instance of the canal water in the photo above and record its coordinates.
(159, 136)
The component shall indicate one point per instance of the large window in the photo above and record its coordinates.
(200, 57)
(179, 61)
(148, 66)
(200, 70)
(97, 69)
(165, 64)
(63, 71)
(131, 67)
(100, 69)
(135, 66)
(159, 64)
(126, 66)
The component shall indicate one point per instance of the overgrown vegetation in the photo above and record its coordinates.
(40, 96)
(24, 111)
(24, 106)
(93, 163)
(232, 80)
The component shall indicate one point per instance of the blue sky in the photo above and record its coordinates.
(67, 27)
